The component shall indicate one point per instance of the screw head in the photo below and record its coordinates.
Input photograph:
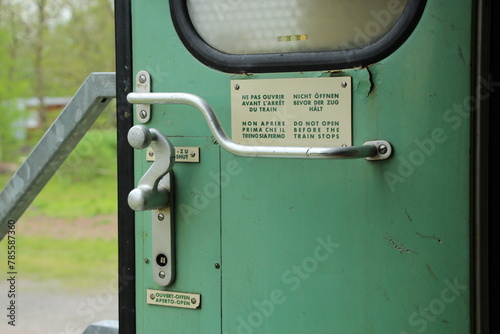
(152, 296)
(146, 260)
(161, 274)
(142, 78)
(237, 87)
(193, 300)
(161, 216)
(217, 266)
(343, 84)
(382, 149)
(143, 114)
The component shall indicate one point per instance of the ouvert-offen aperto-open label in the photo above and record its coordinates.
(300, 112)
(173, 299)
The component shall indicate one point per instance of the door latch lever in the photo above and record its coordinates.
(155, 192)
(150, 192)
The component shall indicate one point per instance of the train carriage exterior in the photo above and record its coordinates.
(294, 167)
(304, 167)
(321, 166)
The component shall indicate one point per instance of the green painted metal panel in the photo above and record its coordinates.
(330, 246)
(197, 226)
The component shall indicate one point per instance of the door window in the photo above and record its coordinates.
(267, 35)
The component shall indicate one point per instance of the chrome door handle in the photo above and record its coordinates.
(150, 193)
(371, 150)
(155, 192)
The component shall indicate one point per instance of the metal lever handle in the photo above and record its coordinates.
(150, 194)
(154, 192)
(372, 150)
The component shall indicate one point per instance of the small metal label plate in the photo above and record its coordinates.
(174, 299)
(301, 112)
(182, 154)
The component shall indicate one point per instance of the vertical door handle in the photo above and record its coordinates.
(150, 193)
(155, 192)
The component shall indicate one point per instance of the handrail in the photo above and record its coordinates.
(55, 146)
(373, 150)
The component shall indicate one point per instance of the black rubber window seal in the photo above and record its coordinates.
(294, 61)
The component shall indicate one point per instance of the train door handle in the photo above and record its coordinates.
(150, 193)
(370, 150)
(155, 192)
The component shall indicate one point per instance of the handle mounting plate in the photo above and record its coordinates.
(163, 237)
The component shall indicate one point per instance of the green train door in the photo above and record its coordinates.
(301, 167)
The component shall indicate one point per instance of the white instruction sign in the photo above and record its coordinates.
(300, 112)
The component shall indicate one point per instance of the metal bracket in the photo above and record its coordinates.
(143, 85)
(163, 238)
(384, 149)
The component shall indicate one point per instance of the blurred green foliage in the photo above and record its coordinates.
(50, 55)
(85, 185)
(74, 263)
(48, 48)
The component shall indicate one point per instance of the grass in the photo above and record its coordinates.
(84, 187)
(81, 264)
(76, 200)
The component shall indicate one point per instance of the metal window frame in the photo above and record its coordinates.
(294, 61)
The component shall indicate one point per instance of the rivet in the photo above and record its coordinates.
(142, 78)
(217, 266)
(343, 84)
(193, 300)
(151, 153)
(152, 296)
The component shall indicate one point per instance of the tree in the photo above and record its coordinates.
(85, 36)
(48, 48)
(13, 83)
